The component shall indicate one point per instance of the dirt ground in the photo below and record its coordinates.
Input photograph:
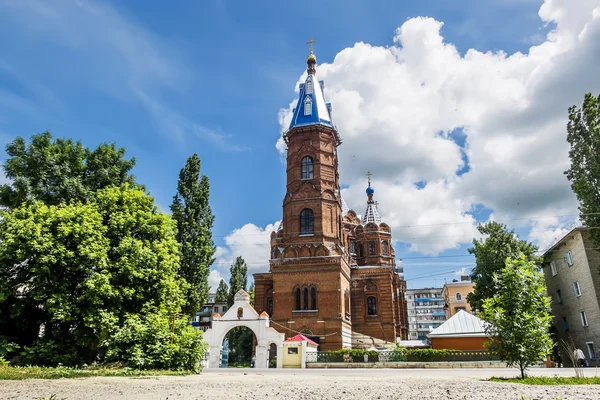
(303, 384)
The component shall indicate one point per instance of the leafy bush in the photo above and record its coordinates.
(157, 341)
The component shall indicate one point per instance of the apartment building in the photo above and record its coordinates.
(203, 319)
(571, 270)
(425, 309)
(455, 296)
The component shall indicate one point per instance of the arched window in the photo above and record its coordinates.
(270, 307)
(298, 299)
(307, 106)
(384, 248)
(313, 299)
(347, 302)
(240, 312)
(307, 168)
(372, 248)
(371, 305)
(458, 297)
(306, 298)
(307, 222)
(352, 247)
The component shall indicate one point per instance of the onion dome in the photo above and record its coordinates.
(371, 213)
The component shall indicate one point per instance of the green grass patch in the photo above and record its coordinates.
(17, 373)
(554, 380)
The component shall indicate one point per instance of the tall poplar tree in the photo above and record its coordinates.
(583, 134)
(222, 292)
(238, 279)
(191, 211)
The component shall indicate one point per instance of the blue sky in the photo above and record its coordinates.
(167, 79)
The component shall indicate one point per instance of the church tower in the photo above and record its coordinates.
(307, 287)
(332, 275)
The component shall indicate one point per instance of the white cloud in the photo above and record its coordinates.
(396, 108)
(252, 243)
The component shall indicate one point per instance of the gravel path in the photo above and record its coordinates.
(306, 384)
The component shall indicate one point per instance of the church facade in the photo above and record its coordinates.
(331, 273)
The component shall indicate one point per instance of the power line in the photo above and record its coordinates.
(436, 224)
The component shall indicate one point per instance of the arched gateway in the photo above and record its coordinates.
(243, 314)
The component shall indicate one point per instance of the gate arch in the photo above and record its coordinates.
(243, 314)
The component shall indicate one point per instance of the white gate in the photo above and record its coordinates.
(243, 314)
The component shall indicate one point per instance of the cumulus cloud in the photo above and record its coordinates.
(252, 243)
(445, 133)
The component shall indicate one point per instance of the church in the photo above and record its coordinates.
(332, 275)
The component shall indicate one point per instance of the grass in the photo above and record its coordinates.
(555, 380)
(18, 373)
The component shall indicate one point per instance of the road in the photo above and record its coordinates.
(330, 384)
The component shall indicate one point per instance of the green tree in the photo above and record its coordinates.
(490, 257)
(583, 134)
(251, 293)
(191, 211)
(61, 170)
(518, 315)
(90, 270)
(238, 278)
(222, 292)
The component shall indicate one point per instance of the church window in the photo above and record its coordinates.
(384, 247)
(313, 299)
(458, 297)
(352, 247)
(372, 248)
(307, 106)
(298, 299)
(270, 307)
(347, 303)
(305, 298)
(371, 305)
(307, 222)
(309, 86)
(307, 168)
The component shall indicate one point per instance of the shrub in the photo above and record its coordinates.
(157, 341)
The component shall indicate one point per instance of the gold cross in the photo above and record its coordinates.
(369, 177)
(310, 43)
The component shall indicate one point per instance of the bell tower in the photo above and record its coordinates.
(307, 289)
(312, 208)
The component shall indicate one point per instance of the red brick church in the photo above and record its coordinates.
(331, 273)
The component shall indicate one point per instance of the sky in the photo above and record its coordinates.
(457, 107)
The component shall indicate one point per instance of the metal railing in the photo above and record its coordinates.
(400, 356)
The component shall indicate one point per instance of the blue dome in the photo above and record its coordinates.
(370, 190)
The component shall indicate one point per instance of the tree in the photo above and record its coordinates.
(238, 279)
(518, 315)
(490, 257)
(86, 273)
(222, 292)
(61, 171)
(251, 293)
(583, 134)
(191, 211)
